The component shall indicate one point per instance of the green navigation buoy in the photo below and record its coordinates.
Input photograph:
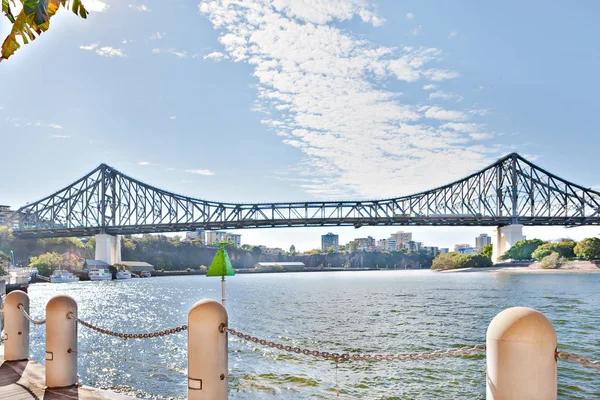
(221, 266)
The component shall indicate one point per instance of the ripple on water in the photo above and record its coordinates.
(384, 312)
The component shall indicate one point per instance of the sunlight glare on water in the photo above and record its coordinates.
(343, 312)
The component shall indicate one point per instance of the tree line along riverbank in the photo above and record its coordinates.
(549, 254)
(169, 253)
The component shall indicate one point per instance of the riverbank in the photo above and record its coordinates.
(571, 267)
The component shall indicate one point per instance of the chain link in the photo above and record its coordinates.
(150, 335)
(463, 351)
(576, 358)
(33, 321)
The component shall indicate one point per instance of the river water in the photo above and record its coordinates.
(366, 312)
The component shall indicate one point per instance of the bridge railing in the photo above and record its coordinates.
(521, 348)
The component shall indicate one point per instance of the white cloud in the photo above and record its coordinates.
(105, 51)
(445, 96)
(142, 8)
(158, 36)
(410, 15)
(175, 52)
(61, 136)
(95, 5)
(216, 56)
(144, 163)
(55, 126)
(205, 172)
(452, 35)
(416, 30)
(89, 47)
(173, 117)
(315, 83)
(40, 125)
(429, 87)
(445, 115)
(108, 51)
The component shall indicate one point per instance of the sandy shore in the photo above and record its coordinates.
(571, 267)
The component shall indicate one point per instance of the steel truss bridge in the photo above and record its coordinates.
(510, 191)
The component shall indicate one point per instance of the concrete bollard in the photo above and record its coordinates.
(207, 351)
(16, 327)
(61, 342)
(521, 356)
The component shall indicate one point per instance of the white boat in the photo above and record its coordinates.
(63, 276)
(123, 274)
(145, 274)
(99, 274)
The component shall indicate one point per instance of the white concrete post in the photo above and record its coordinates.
(207, 351)
(521, 356)
(16, 327)
(61, 342)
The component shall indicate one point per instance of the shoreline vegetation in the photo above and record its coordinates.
(174, 255)
(535, 255)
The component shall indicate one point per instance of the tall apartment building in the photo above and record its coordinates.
(365, 243)
(196, 235)
(214, 237)
(329, 240)
(481, 241)
(391, 245)
(402, 239)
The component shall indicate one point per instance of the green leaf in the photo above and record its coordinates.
(7, 11)
(37, 9)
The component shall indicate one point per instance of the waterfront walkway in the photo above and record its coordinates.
(24, 380)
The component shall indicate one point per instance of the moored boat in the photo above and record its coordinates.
(145, 274)
(123, 274)
(99, 274)
(63, 276)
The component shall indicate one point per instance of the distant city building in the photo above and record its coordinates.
(329, 240)
(457, 247)
(402, 239)
(481, 241)
(413, 246)
(433, 250)
(382, 244)
(365, 243)
(215, 237)
(196, 235)
(468, 250)
(391, 245)
(444, 250)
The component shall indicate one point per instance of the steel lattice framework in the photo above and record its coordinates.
(512, 190)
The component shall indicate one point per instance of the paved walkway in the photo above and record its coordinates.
(24, 380)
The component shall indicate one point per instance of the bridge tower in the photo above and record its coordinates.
(108, 248)
(504, 238)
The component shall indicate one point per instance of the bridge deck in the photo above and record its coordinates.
(24, 380)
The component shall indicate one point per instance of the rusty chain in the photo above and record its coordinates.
(33, 321)
(576, 358)
(150, 335)
(463, 351)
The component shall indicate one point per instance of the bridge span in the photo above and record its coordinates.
(511, 192)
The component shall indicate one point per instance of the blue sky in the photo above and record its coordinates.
(302, 99)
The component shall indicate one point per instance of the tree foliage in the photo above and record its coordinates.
(588, 248)
(32, 20)
(522, 250)
(48, 262)
(551, 261)
(564, 249)
(487, 251)
(455, 260)
(293, 250)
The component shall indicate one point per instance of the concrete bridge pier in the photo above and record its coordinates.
(505, 238)
(108, 248)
